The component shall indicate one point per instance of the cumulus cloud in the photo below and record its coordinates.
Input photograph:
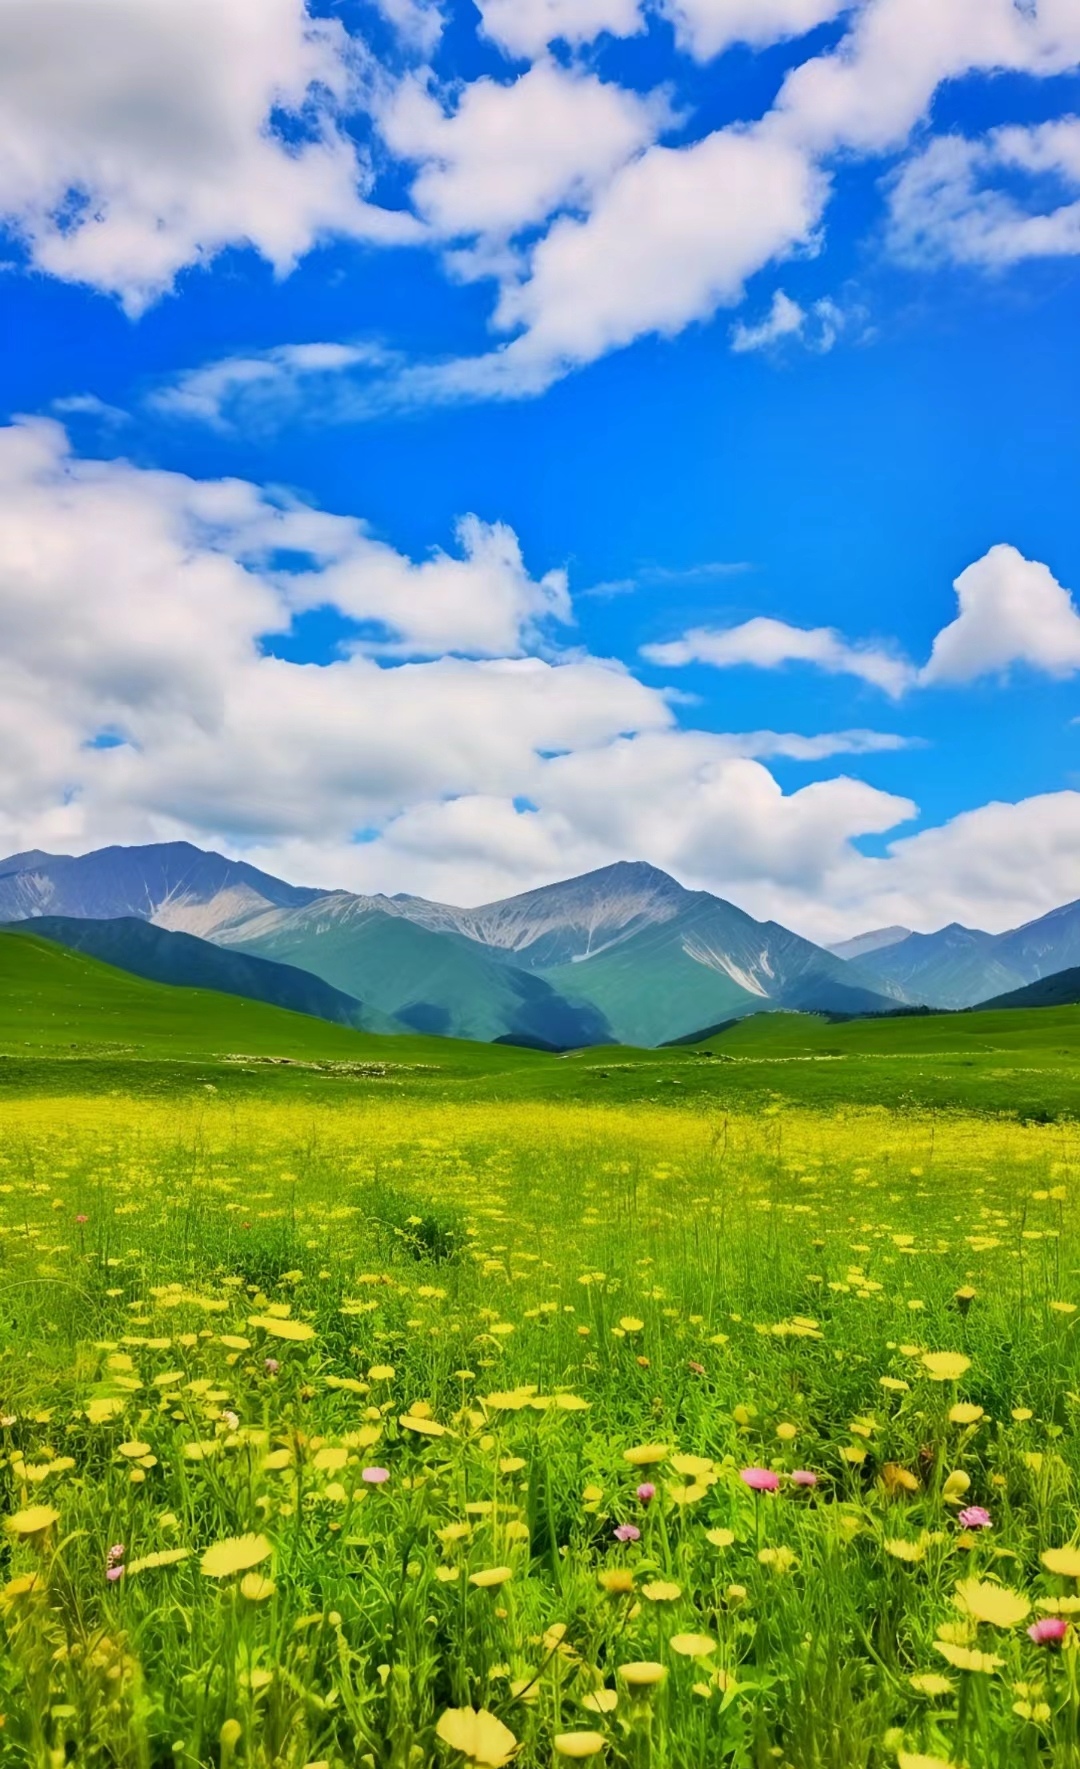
(138, 604)
(705, 27)
(1012, 610)
(869, 92)
(995, 867)
(419, 23)
(945, 203)
(658, 251)
(766, 644)
(524, 28)
(785, 319)
(507, 156)
(164, 132)
(137, 137)
(135, 602)
(681, 799)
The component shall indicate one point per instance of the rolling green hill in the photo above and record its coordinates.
(160, 955)
(58, 1003)
(1055, 991)
(69, 1024)
(1022, 1064)
(897, 1035)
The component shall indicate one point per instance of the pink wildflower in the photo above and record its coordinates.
(646, 1492)
(271, 1366)
(975, 1517)
(375, 1476)
(804, 1477)
(116, 1552)
(760, 1480)
(1050, 1630)
(112, 1573)
(80, 1219)
(628, 1532)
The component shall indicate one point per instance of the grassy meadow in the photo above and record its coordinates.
(393, 1431)
(399, 1403)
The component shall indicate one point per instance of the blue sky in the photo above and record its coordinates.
(740, 355)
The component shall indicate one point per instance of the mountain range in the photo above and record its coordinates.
(963, 967)
(622, 955)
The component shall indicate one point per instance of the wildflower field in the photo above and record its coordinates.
(392, 1433)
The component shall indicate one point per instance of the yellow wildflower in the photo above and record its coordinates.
(945, 1366)
(995, 1604)
(692, 1645)
(235, 1554)
(478, 1735)
(1065, 1562)
(490, 1577)
(646, 1454)
(32, 1522)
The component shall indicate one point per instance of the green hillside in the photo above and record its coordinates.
(649, 990)
(58, 1003)
(437, 983)
(984, 1033)
(1026, 1063)
(706, 966)
(1057, 991)
(161, 955)
(70, 1024)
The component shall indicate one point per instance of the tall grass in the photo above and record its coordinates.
(361, 1410)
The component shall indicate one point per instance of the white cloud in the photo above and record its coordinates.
(1012, 610)
(817, 327)
(88, 405)
(713, 816)
(870, 92)
(657, 252)
(681, 799)
(944, 203)
(660, 249)
(484, 603)
(766, 644)
(785, 319)
(149, 143)
(702, 27)
(508, 156)
(272, 384)
(133, 602)
(705, 27)
(762, 745)
(993, 867)
(524, 28)
(419, 23)
(136, 137)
